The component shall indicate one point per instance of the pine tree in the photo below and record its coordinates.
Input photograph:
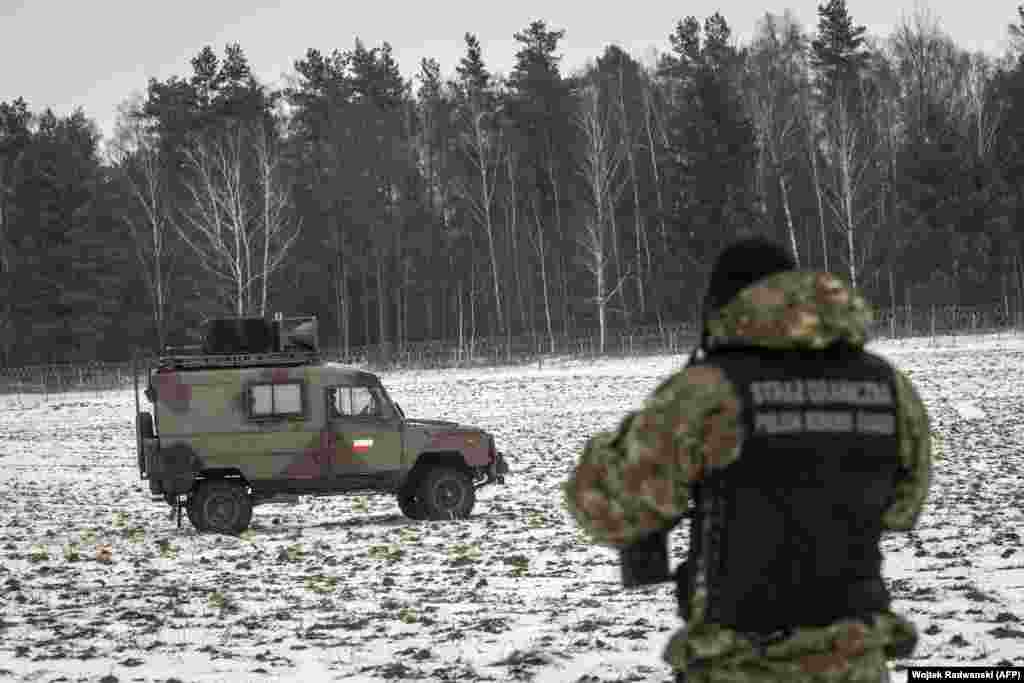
(540, 107)
(839, 57)
(712, 151)
(15, 138)
(838, 52)
(473, 76)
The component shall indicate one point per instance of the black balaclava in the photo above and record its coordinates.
(740, 265)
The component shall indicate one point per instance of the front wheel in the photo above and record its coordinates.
(410, 506)
(222, 506)
(446, 493)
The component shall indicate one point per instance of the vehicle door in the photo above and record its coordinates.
(366, 429)
(275, 443)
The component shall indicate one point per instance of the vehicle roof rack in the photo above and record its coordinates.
(192, 361)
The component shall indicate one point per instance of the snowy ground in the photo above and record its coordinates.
(97, 584)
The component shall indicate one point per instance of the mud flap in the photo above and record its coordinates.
(175, 467)
(176, 506)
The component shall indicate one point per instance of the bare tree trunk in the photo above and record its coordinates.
(602, 310)
(494, 273)
(599, 167)
(382, 328)
(494, 264)
(159, 305)
(817, 193)
(365, 296)
(462, 323)
(342, 304)
(485, 153)
(279, 233)
(398, 287)
(4, 263)
(892, 288)
(563, 274)
(637, 222)
(150, 193)
(543, 275)
(404, 339)
(512, 221)
(267, 233)
(847, 187)
(472, 312)
(648, 116)
(6, 340)
(854, 155)
(784, 189)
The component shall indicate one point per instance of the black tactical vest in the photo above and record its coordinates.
(789, 534)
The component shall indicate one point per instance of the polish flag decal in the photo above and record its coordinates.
(361, 445)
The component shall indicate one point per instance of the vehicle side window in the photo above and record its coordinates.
(275, 400)
(356, 402)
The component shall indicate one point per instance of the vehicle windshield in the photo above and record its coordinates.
(391, 401)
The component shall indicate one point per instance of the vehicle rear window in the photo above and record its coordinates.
(275, 400)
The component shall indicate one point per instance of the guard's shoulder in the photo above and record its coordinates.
(700, 378)
(698, 409)
(877, 359)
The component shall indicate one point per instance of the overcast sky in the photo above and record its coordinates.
(94, 54)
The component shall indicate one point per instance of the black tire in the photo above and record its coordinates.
(410, 506)
(146, 430)
(190, 510)
(446, 493)
(222, 506)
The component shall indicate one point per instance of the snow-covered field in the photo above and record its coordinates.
(96, 583)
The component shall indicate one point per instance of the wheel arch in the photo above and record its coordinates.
(428, 459)
(222, 473)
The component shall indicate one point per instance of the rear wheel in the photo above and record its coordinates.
(446, 493)
(222, 506)
(146, 429)
(190, 511)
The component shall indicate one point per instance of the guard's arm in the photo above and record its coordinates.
(915, 458)
(635, 481)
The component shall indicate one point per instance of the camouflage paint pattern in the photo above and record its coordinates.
(207, 412)
(636, 480)
(474, 445)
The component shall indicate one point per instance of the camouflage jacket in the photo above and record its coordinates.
(637, 480)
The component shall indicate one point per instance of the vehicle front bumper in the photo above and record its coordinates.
(496, 471)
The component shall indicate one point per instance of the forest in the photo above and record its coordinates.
(524, 206)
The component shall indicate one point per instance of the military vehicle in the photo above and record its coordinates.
(254, 415)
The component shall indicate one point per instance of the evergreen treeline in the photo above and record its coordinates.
(536, 203)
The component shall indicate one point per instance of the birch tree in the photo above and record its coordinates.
(136, 152)
(227, 219)
(599, 166)
(778, 75)
(279, 227)
(482, 144)
(840, 58)
(851, 149)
